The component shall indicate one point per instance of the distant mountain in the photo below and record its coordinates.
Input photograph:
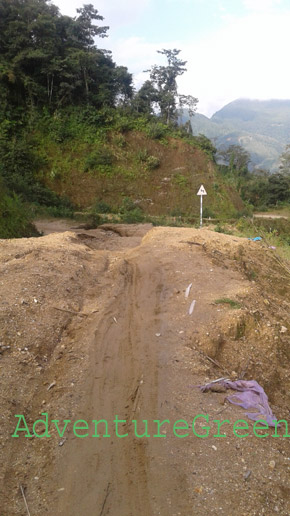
(262, 127)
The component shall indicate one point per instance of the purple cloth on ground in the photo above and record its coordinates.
(251, 396)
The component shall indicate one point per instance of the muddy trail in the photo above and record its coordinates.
(102, 325)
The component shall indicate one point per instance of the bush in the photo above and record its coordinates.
(99, 157)
(120, 141)
(208, 213)
(152, 162)
(15, 218)
(157, 131)
(181, 180)
(142, 155)
(130, 213)
(206, 145)
(102, 207)
(134, 216)
(127, 205)
(93, 221)
(222, 229)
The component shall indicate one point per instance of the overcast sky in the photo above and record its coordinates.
(233, 48)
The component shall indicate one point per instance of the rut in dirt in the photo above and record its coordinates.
(125, 382)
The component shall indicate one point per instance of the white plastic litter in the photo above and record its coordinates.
(188, 290)
(191, 308)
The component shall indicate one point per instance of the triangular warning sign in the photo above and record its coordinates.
(201, 191)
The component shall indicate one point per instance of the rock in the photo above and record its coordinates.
(217, 388)
(272, 464)
(283, 329)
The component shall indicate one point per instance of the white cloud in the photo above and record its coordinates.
(246, 59)
(115, 12)
(261, 5)
(139, 55)
(118, 12)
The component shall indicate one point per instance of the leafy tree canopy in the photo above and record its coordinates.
(161, 89)
(50, 59)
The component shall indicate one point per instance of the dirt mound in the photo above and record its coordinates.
(96, 324)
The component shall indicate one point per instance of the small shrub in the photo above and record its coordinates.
(99, 157)
(142, 155)
(123, 125)
(152, 162)
(181, 180)
(102, 207)
(127, 205)
(15, 218)
(134, 216)
(208, 213)
(176, 212)
(93, 221)
(120, 141)
(157, 131)
(222, 229)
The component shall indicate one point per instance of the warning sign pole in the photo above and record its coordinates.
(201, 192)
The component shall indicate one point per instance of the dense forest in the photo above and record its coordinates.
(57, 85)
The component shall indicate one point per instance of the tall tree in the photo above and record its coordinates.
(164, 81)
(146, 98)
(236, 158)
(50, 59)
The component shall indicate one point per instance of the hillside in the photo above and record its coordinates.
(261, 127)
(76, 135)
(150, 169)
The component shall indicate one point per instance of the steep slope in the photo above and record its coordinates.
(161, 177)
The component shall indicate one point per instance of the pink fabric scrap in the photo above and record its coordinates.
(251, 396)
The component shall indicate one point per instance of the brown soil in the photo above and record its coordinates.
(168, 188)
(98, 325)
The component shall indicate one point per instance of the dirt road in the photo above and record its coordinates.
(98, 326)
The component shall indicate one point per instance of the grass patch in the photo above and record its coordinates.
(222, 229)
(227, 301)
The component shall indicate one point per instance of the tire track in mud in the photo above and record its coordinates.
(112, 476)
(130, 376)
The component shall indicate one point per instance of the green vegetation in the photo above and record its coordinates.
(227, 301)
(15, 218)
(259, 189)
(161, 89)
(74, 135)
(275, 234)
(262, 127)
